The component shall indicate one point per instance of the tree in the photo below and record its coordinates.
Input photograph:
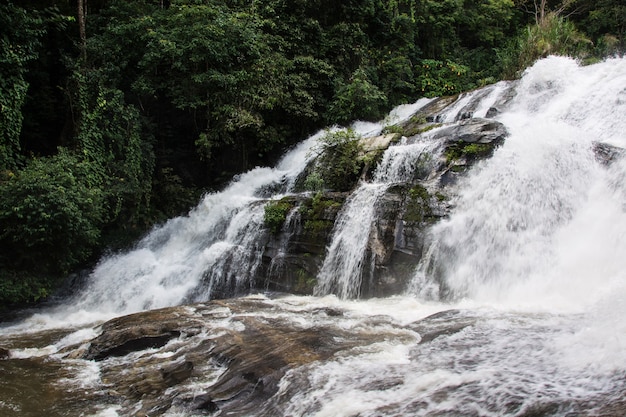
(50, 221)
(359, 98)
(20, 36)
(82, 16)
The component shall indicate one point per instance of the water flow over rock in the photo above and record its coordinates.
(524, 279)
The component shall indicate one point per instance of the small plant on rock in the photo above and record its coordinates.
(340, 161)
(276, 213)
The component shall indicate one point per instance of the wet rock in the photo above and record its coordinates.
(492, 112)
(477, 130)
(607, 154)
(124, 335)
(293, 257)
(176, 373)
(444, 323)
(229, 358)
(4, 353)
(378, 143)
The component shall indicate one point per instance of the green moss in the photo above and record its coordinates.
(470, 151)
(276, 213)
(314, 214)
(418, 119)
(340, 164)
(418, 204)
(318, 227)
(393, 129)
(305, 282)
(421, 128)
(475, 150)
(317, 206)
(440, 196)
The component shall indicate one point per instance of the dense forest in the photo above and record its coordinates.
(118, 114)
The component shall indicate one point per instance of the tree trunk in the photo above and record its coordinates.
(82, 11)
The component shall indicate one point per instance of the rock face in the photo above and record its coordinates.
(292, 258)
(606, 154)
(482, 131)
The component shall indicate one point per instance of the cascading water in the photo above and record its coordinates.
(526, 221)
(191, 258)
(345, 262)
(212, 251)
(533, 255)
(524, 284)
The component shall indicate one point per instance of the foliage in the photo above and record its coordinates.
(316, 221)
(120, 160)
(276, 213)
(20, 36)
(605, 24)
(172, 98)
(17, 288)
(50, 218)
(340, 162)
(358, 99)
(437, 78)
(555, 36)
(470, 151)
(314, 182)
(171, 197)
(418, 204)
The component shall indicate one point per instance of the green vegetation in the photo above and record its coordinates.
(276, 213)
(553, 36)
(470, 151)
(340, 162)
(120, 116)
(316, 221)
(418, 204)
(415, 126)
(305, 282)
(51, 217)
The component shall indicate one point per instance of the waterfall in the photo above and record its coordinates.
(345, 263)
(212, 251)
(517, 308)
(214, 248)
(542, 219)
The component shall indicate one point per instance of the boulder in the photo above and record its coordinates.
(4, 353)
(607, 154)
(478, 130)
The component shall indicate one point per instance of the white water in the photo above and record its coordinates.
(533, 256)
(541, 224)
(344, 265)
(536, 251)
(190, 258)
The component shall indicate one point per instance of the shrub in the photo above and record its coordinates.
(340, 161)
(438, 78)
(50, 222)
(276, 213)
(50, 215)
(553, 36)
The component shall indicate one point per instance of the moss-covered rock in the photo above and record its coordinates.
(276, 213)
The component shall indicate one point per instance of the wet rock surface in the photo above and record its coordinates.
(292, 258)
(227, 356)
(261, 356)
(607, 154)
